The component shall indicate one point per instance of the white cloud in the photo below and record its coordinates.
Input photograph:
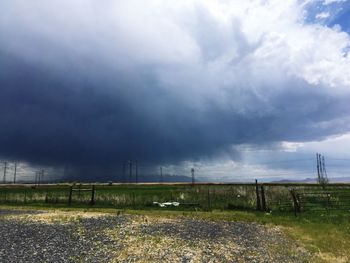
(322, 15)
(207, 38)
(335, 146)
(244, 57)
(328, 2)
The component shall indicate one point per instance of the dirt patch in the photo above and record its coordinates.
(97, 237)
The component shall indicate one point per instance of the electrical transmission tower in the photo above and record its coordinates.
(192, 172)
(136, 172)
(322, 177)
(36, 178)
(5, 170)
(161, 174)
(15, 173)
(41, 176)
(124, 173)
(130, 171)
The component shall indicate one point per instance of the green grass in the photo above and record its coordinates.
(134, 196)
(199, 197)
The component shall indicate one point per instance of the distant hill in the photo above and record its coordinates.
(340, 180)
(306, 180)
(166, 178)
(313, 180)
(142, 178)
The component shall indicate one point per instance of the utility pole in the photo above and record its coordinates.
(136, 172)
(321, 170)
(130, 171)
(192, 172)
(320, 165)
(318, 168)
(42, 175)
(124, 173)
(258, 200)
(5, 169)
(324, 169)
(161, 174)
(15, 173)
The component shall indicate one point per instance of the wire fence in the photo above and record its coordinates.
(297, 198)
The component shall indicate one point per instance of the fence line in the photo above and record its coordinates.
(299, 198)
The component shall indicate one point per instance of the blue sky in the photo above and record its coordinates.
(237, 89)
(329, 13)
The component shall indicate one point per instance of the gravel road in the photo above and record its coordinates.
(29, 236)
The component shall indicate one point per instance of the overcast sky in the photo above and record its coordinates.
(237, 89)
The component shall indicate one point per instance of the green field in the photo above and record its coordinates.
(322, 225)
(199, 197)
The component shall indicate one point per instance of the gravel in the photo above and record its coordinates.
(254, 243)
(78, 241)
(126, 238)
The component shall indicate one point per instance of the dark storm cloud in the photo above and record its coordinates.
(89, 91)
(90, 120)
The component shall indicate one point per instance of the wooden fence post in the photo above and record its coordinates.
(70, 195)
(92, 202)
(263, 199)
(328, 203)
(258, 204)
(208, 198)
(295, 202)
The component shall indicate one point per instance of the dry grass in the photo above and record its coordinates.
(55, 216)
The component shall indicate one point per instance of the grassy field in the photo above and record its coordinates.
(134, 196)
(201, 197)
(324, 232)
